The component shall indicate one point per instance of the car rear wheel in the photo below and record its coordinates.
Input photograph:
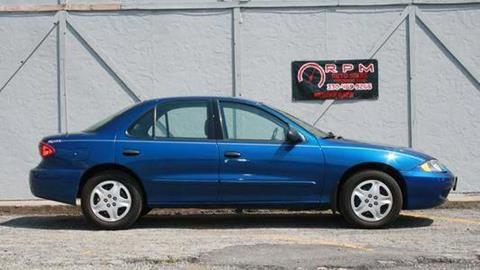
(371, 199)
(145, 211)
(112, 200)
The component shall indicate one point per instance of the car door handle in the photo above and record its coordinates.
(131, 152)
(231, 154)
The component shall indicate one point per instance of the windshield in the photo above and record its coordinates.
(312, 129)
(105, 121)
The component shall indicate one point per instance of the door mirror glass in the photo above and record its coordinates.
(293, 136)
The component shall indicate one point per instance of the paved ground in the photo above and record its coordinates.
(431, 239)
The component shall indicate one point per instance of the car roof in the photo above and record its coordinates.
(233, 99)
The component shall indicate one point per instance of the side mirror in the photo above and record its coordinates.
(293, 136)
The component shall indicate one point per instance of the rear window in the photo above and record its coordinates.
(100, 124)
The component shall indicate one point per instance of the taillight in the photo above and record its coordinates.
(46, 150)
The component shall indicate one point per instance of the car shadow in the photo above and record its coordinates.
(210, 221)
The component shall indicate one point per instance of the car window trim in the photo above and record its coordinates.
(218, 120)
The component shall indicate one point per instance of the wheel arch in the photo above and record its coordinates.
(369, 166)
(110, 167)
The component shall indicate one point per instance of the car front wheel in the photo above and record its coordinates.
(371, 199)
(111, 200)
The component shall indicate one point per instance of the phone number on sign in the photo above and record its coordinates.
(349, 86)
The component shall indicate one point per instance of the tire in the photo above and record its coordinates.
(365, 196)
(145, 211)
(117, 198)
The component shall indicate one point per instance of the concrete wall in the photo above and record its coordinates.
(157, 53)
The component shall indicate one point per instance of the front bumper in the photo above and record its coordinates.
(55, 184)
(427, 189)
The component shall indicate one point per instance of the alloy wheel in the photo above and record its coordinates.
(371, 200)
(110, 201)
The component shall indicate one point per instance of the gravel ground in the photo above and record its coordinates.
(430, 239)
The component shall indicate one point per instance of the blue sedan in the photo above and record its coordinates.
(229, 152)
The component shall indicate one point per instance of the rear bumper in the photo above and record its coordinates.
(55, 184)
(427, 189)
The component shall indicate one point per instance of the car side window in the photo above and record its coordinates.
(142, 128)
(161, 127)
(244, 122)
(185, 120)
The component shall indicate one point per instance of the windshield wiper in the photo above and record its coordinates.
(330, 135)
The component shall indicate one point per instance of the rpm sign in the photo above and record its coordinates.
(336, 79)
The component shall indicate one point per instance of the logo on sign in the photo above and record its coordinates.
(346, 79)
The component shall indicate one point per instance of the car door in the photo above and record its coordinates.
(173, 150)
(258, 165)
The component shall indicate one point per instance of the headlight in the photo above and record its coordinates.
(433, 166)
